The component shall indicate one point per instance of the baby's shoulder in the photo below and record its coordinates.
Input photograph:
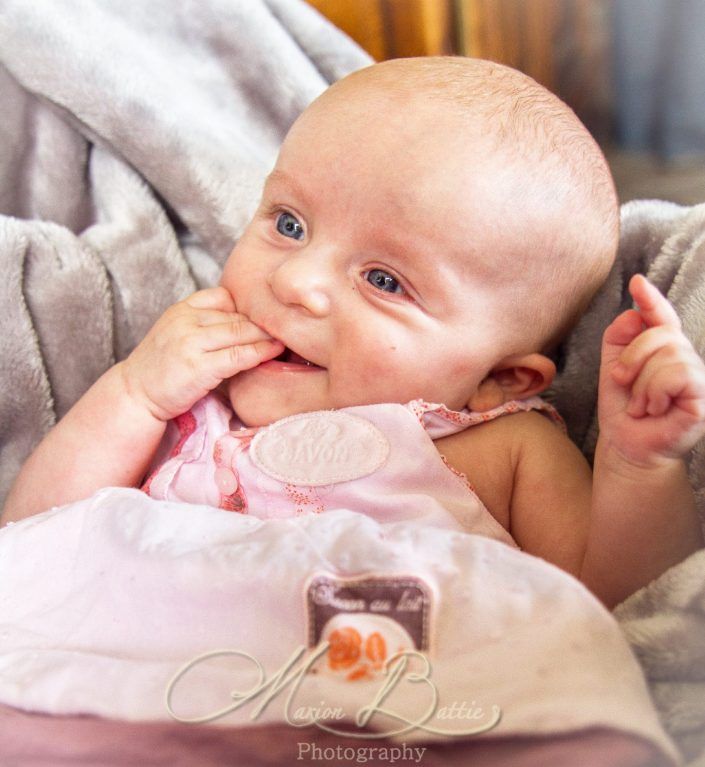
(493, 454)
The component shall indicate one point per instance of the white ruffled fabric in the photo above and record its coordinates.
(106, 599)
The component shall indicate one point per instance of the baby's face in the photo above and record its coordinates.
(370, 258)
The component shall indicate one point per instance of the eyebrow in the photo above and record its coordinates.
(279, 177)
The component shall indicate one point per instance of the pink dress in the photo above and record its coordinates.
(376, 459)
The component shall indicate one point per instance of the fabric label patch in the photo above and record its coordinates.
(319, 448)
(372, 616)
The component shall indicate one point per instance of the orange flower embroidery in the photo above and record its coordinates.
(346, 650)
(361, 672)
(345, 646)
(376, 649)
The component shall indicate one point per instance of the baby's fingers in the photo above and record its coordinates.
(655, 309)
(668, 380)
(656, 339)
(623, 330)
(212, 298)
(232, 330)
(227, 362)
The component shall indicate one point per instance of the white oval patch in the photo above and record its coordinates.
(319, 448)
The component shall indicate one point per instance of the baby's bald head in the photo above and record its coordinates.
(519, 159)
(430, 230)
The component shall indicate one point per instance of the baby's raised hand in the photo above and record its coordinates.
(651, 402)
(192, 347)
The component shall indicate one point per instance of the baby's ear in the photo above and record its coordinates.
(515, 377)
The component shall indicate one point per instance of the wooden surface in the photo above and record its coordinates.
(389, 29)
(519, 33)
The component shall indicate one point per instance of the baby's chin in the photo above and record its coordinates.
(251, 415)
(254, 421)
(254, 410)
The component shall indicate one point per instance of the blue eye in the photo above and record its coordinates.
(289, 226)
(383, 281)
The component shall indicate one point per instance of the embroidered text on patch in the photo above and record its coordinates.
(319, 448)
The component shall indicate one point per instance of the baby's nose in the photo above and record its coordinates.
(301, 281)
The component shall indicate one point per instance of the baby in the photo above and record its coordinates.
(431, 230)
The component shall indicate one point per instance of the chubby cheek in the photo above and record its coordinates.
(239, 277)
(382, 372)
(397, 373)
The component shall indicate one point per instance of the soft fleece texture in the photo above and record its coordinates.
(133, 144)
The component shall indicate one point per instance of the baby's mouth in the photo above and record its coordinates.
(290, 356)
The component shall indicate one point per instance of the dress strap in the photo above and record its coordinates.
(439, 421)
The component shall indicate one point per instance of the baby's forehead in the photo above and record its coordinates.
(415, 137)
(406, 137)
(434, 98)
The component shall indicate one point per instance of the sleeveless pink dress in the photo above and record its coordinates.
(379, 460)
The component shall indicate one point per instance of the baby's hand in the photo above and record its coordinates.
(651, 402)
(191, 348)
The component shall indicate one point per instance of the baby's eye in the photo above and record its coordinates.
(289, 226)
(383, 281)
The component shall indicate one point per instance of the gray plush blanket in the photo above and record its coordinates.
(133, 142)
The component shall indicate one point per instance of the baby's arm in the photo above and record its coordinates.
(109, 436)
(651, 411)
(106, 439)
